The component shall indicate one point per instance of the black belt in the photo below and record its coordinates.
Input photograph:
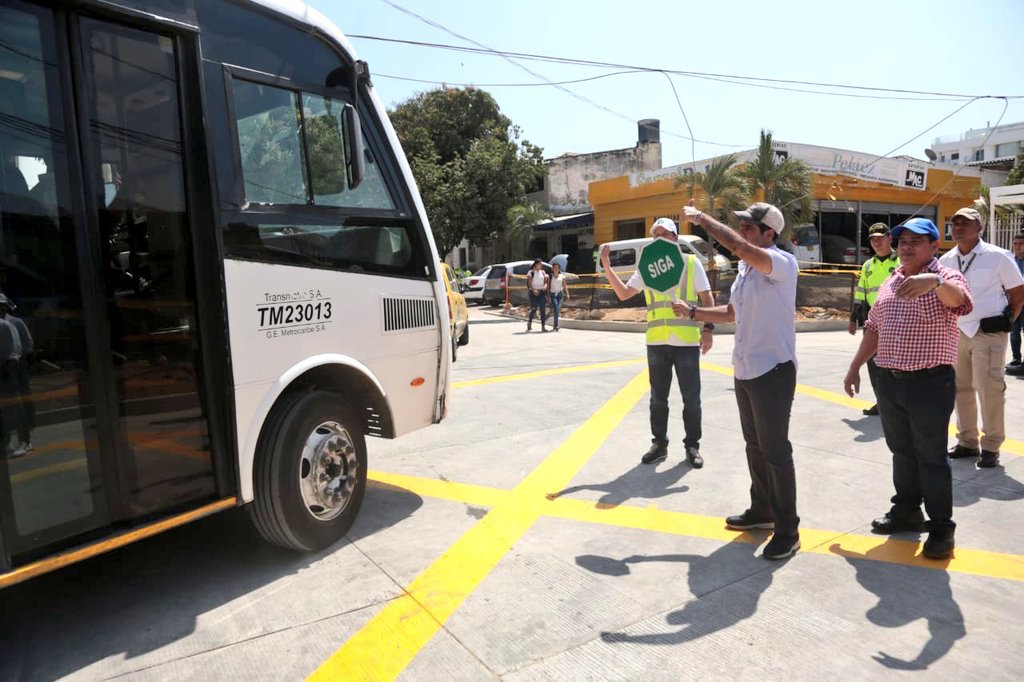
(927, 371)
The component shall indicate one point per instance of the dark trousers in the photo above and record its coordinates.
(28, 408)
(764, 405)
(685, 361)
(556, 306)
(915, 408)
(10, 402)
(873, 377)
(1015, 334)
(537, 301)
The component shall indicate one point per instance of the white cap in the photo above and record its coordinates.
(765, 214)
(667, 223)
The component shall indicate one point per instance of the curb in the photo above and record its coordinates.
(641, 327)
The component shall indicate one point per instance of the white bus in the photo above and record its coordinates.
(218, 275)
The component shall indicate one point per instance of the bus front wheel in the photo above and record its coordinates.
(310, 472)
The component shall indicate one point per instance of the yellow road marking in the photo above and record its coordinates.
(834, 543)
(392, 638)
(547, 372)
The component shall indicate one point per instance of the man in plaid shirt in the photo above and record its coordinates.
(912, 334)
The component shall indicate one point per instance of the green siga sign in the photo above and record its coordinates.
(661, 265)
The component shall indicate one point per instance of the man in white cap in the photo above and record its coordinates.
(997, 289)
(763, 305)
(672, 344)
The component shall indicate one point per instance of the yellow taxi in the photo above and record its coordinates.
(458, 311)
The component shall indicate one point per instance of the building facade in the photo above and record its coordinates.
(850, 191)
(991, 150)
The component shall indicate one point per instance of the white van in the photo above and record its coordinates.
(625, 254)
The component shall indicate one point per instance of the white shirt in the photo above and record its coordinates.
(988, 270)
(765, 306)
(700, 283)
(556, 282)
(537, 280)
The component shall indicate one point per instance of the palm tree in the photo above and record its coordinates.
(785, 183)
(723, 189)
(522, 218)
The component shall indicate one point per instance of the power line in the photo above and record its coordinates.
(503, 85)
(483, 49)
(571, 93)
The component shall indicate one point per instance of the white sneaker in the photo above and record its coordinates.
(22, 449)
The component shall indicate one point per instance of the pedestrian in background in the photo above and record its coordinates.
(24, 412)
(874, 271)
(10, 355)
(763, 305)
(1016, 367)
(673, 344)
(912, 333)
(537, 287)
(997, 289)
(558, 290)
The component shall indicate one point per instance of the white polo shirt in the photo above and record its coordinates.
(989, 270)
(765, 306)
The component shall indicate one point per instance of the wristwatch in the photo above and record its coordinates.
(693, 310)
(939, 281)
(709, 327)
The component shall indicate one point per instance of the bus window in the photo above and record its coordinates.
(269, 144)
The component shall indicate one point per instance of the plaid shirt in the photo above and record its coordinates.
(919, 333)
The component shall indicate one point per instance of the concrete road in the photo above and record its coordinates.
(522, 539)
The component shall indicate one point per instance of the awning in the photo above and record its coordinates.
(561, 222)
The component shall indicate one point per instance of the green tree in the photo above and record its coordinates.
(469, 161)
(1016, 176)
(785, 183)
(721, 191)
(521, 220)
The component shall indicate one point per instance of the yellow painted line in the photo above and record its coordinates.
(30, 474)
(834, 543)
(88, 551)
(384, 647)
(1010, 445)
(547, 373)
(476, 495)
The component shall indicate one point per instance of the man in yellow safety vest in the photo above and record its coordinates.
(673, 343)
(874, 271)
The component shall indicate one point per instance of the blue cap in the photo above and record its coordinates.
(917, 226)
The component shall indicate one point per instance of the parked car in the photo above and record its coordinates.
(499, 276)
(805, 245)
(839, 249)
(473, 288)
(624, 254)
(458, 311)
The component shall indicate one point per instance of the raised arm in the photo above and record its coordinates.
(754, 256)
(618, 286)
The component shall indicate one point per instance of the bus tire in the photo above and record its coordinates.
(309, 476)
(464, 339)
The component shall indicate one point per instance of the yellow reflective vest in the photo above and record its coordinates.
(874, 271)
(662, 323)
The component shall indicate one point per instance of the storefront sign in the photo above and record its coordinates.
(828, 161)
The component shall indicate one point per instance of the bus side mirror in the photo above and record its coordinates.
(355, 156)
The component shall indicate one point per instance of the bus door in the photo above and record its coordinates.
(103, 411)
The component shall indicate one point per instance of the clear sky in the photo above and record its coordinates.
(970, 48)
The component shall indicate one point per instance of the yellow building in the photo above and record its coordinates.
(850, 192)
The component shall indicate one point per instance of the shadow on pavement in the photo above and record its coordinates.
(906, 594)
(641, 481)
(698, 617)
(986, 484)
(869, 429)
(148, 595)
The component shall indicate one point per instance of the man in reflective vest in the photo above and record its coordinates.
(874, 271)
(673, 344)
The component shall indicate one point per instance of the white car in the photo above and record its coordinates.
(475, 284)
(624, 254)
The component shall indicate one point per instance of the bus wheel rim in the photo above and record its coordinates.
(328, 471)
